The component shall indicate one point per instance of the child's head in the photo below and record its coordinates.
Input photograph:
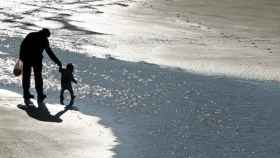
(70, 67)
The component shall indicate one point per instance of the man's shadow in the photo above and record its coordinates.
(42, 113)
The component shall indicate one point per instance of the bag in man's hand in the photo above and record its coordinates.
(18, 68)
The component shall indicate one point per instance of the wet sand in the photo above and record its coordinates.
(150, 111)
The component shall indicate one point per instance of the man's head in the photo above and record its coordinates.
(46, 32)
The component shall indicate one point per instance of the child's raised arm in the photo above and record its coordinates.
(75, 81)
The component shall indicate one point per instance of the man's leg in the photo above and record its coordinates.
(26, 82)
(37, 68)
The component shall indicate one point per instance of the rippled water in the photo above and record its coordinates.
(236, 38)
(71, 21)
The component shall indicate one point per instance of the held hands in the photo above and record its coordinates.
(60, 68)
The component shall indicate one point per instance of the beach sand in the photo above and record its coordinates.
(153, 106)
(36, 133)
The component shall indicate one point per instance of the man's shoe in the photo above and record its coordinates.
(41, 99)
(28, 102)
(30, 96)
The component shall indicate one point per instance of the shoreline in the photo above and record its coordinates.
(159, 112)
(162, 112)
(35, 133)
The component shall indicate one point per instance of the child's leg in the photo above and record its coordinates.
(70, 89)
(71, 92)
(61, 96)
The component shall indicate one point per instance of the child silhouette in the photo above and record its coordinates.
(66, 79)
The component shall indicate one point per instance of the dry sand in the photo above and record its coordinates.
(73, 135)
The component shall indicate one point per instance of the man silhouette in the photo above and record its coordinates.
(31, 50)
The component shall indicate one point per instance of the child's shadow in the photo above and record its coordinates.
(42, 113)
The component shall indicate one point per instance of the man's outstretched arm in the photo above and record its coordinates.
(52, 56)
